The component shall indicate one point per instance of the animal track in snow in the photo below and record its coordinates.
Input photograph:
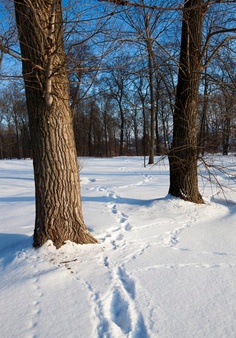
(36, 304)
(146, 177)
(102, 321)
(97, 300)
(171, 238)
(185, 265)
(106, 261)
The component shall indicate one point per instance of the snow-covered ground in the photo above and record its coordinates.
(163, 268)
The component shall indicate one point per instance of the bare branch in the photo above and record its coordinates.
(158, 8)
(214, 53)
(133, 4)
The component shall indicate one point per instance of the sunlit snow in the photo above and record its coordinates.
(164, 267)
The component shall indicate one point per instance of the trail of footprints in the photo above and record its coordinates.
(171, 238)
(117, 309)
(121, 217)
(115, 312)
(117, 239)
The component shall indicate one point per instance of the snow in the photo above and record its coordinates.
(164, 267)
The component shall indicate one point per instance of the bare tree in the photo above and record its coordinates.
(58, 202)
(148, 26)
(116, 82)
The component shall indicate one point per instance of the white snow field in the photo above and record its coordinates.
(164, 267)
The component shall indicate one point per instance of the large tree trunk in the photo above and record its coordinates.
(58, 202)
(183, 154)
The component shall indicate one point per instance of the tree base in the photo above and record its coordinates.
(83, 237)
(193, 199)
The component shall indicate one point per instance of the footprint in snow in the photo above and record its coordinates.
(123, 309)
(127, 282)
(112, 195)
(120, 312)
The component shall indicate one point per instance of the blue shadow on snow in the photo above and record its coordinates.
(11, 244)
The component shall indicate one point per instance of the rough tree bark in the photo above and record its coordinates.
(183, 154)
(57, 189)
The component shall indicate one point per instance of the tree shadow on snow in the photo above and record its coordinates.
(124, 200)
(17, 199)
(118, 200)
(226, 202)
(11, 245)
(18, 178)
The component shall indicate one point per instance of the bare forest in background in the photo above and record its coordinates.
(122, 64)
